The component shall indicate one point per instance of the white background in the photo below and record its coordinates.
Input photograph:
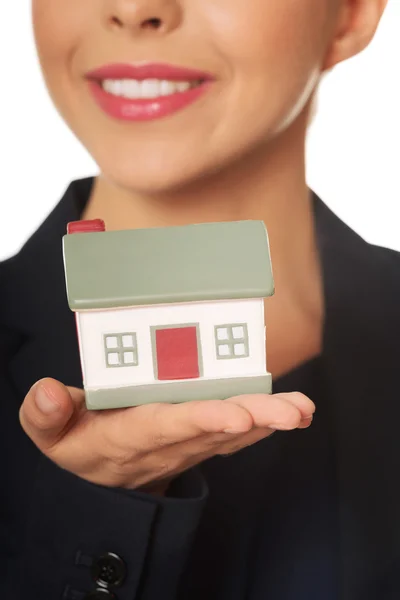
(353, 149)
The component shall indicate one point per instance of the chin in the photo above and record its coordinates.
(148, 181)
(164, 173)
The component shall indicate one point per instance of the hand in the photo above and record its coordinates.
(147, 445)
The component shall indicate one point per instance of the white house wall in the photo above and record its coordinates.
(92, 325)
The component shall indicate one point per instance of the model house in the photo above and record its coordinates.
(169, 314)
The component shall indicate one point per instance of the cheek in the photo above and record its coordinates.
(59, 28)
(273, 50)
(268, 30)
(61, 34)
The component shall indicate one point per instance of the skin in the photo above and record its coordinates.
(238, 153)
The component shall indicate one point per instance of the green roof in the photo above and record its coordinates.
(209, 261)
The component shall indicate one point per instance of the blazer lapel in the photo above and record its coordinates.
(36, 308)
(361, 356)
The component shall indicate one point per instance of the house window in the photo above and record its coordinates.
(232, 341)
(121, 349)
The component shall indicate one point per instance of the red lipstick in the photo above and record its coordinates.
(141, 108)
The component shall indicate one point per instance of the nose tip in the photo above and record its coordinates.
(139, 15)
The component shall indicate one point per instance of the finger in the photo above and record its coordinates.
(159, 425)
(230, 444)
(207, 444)
(305, 423)
(303, 402)
(47, 410)
(276, 411)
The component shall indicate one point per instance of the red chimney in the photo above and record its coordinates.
(90, 225)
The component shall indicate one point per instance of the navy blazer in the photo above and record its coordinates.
(199, 542)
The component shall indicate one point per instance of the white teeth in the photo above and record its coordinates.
(167, 88)
(130, 88)
(182, 86)
(147, 89)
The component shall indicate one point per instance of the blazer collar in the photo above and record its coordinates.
(360, 361)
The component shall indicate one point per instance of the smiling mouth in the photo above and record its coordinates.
(147, 99)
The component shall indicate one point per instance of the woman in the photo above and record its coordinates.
(156, 501)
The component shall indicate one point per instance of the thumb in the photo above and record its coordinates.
(47, 412)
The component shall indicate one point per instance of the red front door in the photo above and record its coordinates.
(177, 354)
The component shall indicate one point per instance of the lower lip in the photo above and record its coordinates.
(145, 109)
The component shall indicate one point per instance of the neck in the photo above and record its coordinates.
(269, 185)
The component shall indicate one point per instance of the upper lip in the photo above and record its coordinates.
(147, 71)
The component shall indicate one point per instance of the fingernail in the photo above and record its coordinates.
(45, 402)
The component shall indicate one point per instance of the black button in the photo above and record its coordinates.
(100, 594)
(108, 569)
